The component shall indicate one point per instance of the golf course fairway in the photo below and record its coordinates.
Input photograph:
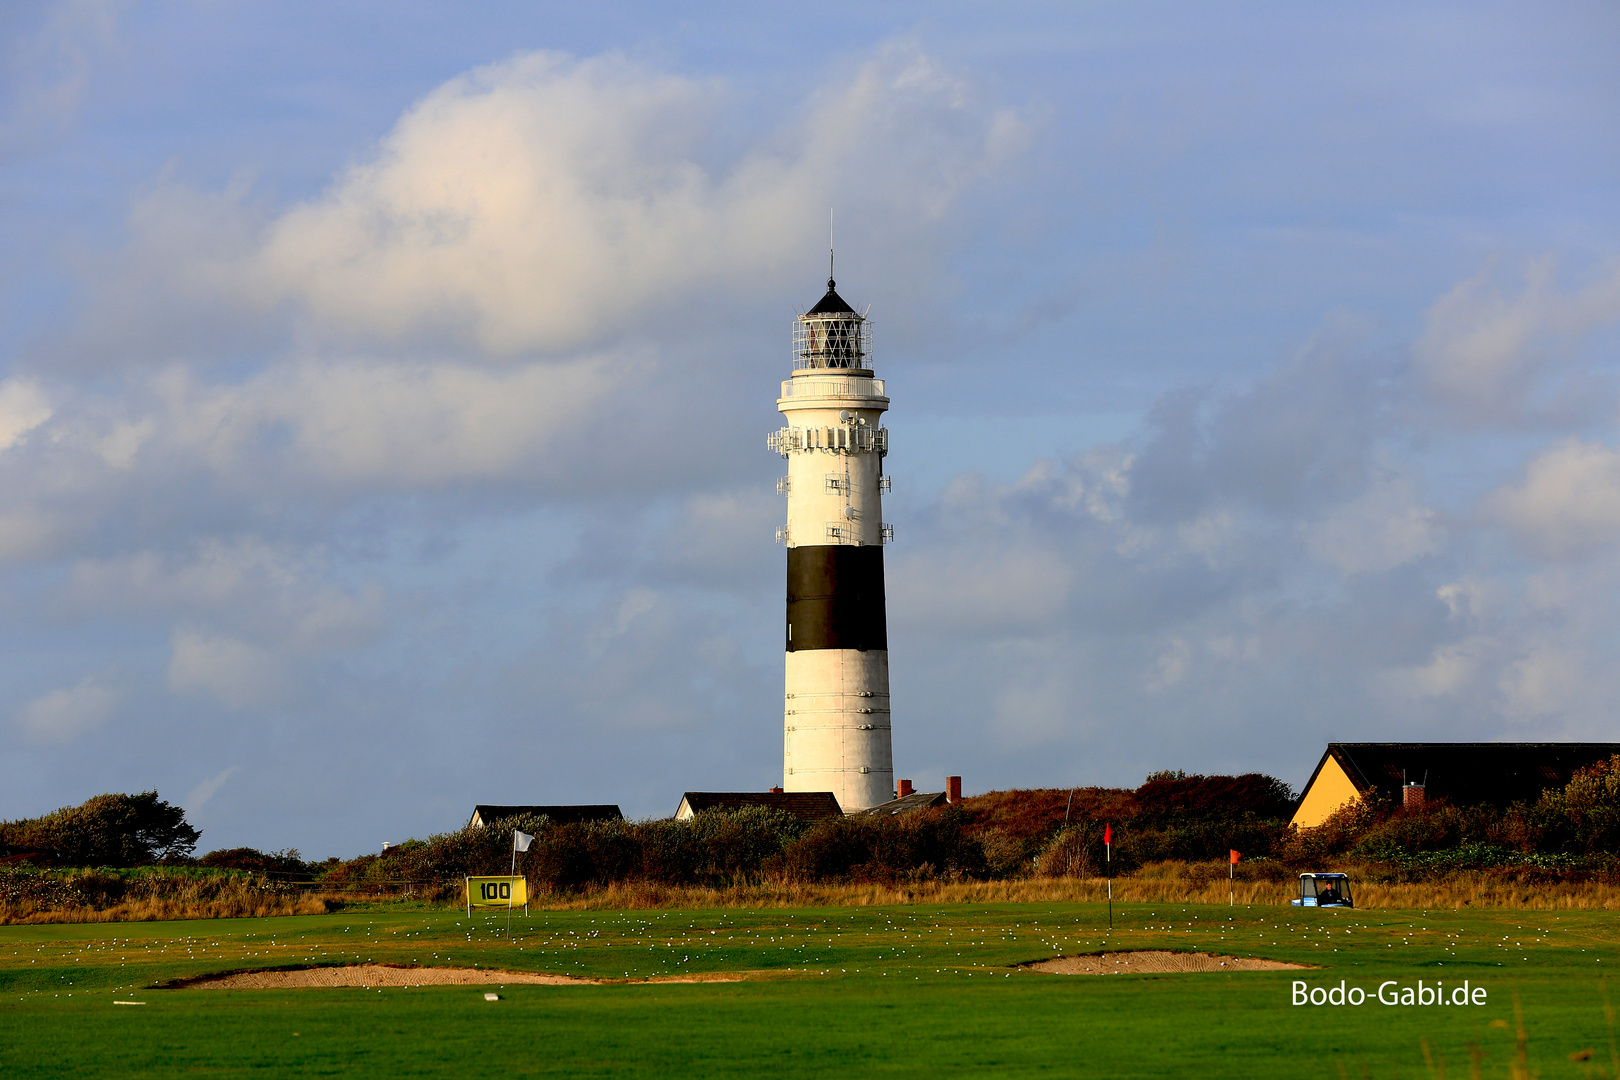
(847, 991)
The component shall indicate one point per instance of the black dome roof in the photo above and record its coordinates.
(832, 303)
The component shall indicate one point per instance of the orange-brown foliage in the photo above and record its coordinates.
(1026, 814)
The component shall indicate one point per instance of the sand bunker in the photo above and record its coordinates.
(374, 975)
(1151, 961)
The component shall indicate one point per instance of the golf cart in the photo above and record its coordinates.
(1324, 890)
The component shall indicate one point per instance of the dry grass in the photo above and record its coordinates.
(239, 907)
(98, 896)
(1018, 891)
(1157, 884)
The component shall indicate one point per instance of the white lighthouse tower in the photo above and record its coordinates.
(836, 703)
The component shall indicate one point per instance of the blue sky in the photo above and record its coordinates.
(383, 391)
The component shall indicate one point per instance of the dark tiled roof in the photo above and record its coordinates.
(1466, 773)
(562, 815)
(805, 805)
(832, 303)
(908, 804)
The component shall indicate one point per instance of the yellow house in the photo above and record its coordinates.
(1329, 788)
(1466, 774)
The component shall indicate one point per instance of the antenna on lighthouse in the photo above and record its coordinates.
(829, 247)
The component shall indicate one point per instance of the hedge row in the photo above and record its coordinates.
(714, 848)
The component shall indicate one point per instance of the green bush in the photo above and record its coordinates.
(887, 849)
(713, 848)
(285, 865)
(1434, 828)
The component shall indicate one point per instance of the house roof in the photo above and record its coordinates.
(484, 813)
(805, 805)
(1466, 773)
(906, 804)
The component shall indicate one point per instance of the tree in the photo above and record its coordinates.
(108, 830)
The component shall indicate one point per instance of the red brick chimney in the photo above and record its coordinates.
(903, 790)
(953, 789)
(776, 791)
(1412, 796)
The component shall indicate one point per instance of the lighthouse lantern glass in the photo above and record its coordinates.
(840, 342)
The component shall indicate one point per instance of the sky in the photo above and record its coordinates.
(384, 390)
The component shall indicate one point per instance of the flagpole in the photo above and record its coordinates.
(1231, 881)
(511, 881)
(1108, 863)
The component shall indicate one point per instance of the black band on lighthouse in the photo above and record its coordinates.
(835, 598)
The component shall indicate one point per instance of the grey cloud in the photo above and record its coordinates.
(1263, 568)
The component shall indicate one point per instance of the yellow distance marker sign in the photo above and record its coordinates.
(498, 892)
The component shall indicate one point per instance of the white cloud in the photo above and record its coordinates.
(119, 446)
(52, 69)
(64, 715)
(198, 797)
(1543, 683)
(721, 538)
(1455, 667)
(25, 534)
(1037, 701)
(1170, 667)
(1382, 528)
(525, 286)
(1011, 588)
(642, 660)
(237, 673)
(23, 407)
(550, 203)
(1568, 503)
(277, 592)
(1489, 353)
(1465, 599)
(390, 424)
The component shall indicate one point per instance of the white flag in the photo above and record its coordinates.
(521, 840)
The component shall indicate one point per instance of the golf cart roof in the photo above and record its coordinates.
(1346, 877)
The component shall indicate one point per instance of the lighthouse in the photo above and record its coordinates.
(836, 734)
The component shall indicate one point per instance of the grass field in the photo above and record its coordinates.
(848, 991)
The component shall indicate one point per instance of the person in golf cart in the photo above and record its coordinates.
(1324, 890)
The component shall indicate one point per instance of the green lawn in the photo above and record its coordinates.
(908, 991)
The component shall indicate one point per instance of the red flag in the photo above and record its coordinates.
(1235, 857)
(1108, 833)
